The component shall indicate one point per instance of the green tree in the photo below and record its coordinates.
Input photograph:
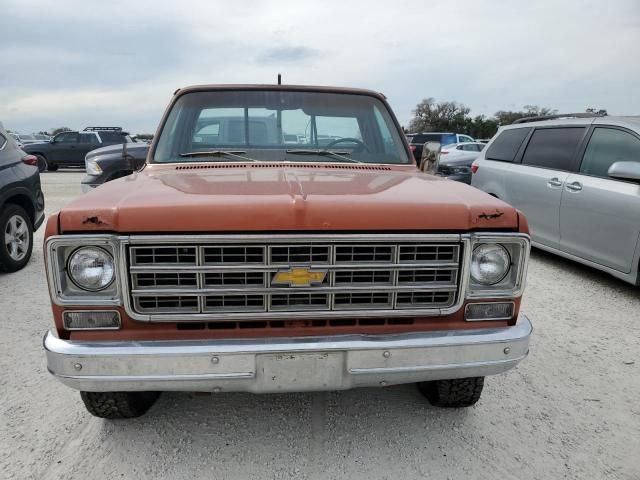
(58, 130)
(432, 116)
(508, 117)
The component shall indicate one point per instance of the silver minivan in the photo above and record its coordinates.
(577, 180)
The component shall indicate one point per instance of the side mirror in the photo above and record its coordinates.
(625, 171)
(430, 157)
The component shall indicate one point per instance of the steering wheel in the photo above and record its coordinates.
(361, 144)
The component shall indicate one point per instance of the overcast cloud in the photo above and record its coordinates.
(78, 63)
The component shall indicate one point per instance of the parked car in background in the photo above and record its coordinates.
(455, 160)
(578, 182)
(25, 138)
(16, 137)
(68, 149)
(115, 161)
(21, 203)
(417, 141)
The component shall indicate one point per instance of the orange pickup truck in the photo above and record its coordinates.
(281, 238)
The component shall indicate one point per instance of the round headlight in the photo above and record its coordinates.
(490, 263)
(91, 268)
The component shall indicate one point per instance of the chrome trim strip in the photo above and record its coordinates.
(292, 238)
(292, 290)
(275, 268)
(428, 368)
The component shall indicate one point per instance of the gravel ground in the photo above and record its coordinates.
(571, 410)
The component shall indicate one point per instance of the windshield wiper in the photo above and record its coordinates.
(220, 153)
(328, 153)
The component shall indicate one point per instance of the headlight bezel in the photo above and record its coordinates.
(518, 246)
(76, 281)
(62, 289)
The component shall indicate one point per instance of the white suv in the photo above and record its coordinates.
(577, 180)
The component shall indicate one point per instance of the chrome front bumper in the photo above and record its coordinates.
(286, 364)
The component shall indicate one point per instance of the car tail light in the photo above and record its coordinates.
(30, 160)
(444, 152)
(474, 167)
(412, 148)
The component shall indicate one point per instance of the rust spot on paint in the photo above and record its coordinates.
(490, 216)
(93, 221)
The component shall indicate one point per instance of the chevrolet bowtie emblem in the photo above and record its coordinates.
(299, 277)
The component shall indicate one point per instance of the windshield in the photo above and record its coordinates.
(279, 125)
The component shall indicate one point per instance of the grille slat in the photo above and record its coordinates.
(235, 278)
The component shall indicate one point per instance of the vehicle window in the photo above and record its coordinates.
(446, 139)
(68, 137)
(464, 138)
(334, 128)
(3, 141)
(111, 137)
(461, 147)
(470, 148)
(607, 146)
(207, 132)
(266, 125)
(553, 148)
(27, 137)
(506, 146)
(385, 132)
(87, 138)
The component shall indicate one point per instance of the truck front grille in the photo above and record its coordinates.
(340, 278)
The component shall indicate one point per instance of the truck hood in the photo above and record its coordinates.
(283, 197)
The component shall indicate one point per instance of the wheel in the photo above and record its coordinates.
(52, 167)
(456, 393)
(16, 238)
(42, 163)
(113, 405)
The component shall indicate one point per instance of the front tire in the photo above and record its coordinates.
(116, 405)
(456, 393)
(16, 238)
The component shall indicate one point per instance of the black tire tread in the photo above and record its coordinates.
(454, 393)
(117, 405)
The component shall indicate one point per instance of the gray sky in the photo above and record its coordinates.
(78, 63)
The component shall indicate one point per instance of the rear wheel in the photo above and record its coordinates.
(16, 238)
(42, 163)
(456, 393)
(114, 405)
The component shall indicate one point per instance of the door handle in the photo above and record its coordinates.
(574, 186)
(554, 182)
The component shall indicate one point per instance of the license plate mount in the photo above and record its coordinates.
(301, 371)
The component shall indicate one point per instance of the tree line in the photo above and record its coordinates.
(432, 116)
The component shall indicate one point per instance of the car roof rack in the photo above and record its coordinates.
(95, 129)
(560, 115)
